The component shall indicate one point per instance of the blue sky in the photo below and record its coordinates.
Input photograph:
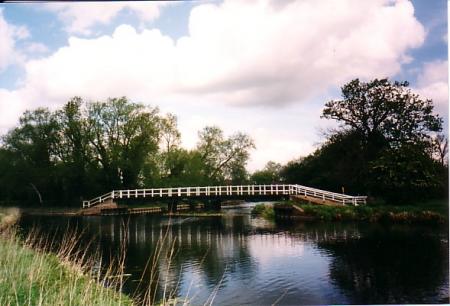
(262, 67)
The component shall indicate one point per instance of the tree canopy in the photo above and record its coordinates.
(380, 108)
(88, 148)
(388, 145)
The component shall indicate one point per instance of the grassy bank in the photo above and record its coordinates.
(31, 275)
(264, 210)
(434, 212)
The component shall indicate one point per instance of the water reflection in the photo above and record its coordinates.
(391, 265)
(237, 259)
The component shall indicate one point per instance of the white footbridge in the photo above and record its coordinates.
(303, 192)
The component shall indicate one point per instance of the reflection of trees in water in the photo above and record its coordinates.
(368, 263)
(390, 265)
(211, 246)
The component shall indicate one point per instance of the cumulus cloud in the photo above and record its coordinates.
(81, 17)
(268, 55)
(9, 34)
(432, 83)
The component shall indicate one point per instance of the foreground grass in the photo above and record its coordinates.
(32, 275)
(29, 277)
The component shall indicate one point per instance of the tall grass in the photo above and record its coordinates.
(38, 271)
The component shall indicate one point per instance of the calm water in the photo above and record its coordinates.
(240, 260)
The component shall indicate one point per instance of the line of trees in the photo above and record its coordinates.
(389, 146)
(88, 148)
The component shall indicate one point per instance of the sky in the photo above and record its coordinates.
(265, 68)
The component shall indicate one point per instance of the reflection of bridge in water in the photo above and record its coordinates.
(222, 192)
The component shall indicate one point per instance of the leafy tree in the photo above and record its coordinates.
(32, 146)
(269, 175)
(381, 109)
(168, 158)
(122, 135)
(338, 164)
(87, 148)
(408, 170)
(383, 148)
(439, 149)
(224, 158)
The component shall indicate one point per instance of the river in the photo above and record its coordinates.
(238, 259)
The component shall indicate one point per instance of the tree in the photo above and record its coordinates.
(383, 148)
(33, 147)
(224, 158)
(440, 149)
(269, 175)
(407, 172)
(337, 163)
(392, 130)
(381, 109)
(122, 135)
(168, 157)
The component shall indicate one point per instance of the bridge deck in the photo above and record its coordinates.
(227, 191)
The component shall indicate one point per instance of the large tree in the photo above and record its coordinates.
(269, 175)
(384, 146)
(122, 135)
(32, 148)
(224, 158)
(380, 110)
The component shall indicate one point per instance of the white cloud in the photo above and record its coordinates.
(11, 106)
(267, 55)
(81, 17)
(9, 34)
(432, 83)
(36, 48)
(249, 53)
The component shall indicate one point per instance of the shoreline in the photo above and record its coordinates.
(44, 276)
(303, 212)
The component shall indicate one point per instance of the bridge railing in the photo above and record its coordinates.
(235, 190)
(328, 195)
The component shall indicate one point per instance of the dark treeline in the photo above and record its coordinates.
(388, 146)
(88, 148)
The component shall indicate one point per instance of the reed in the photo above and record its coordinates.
(34, 270)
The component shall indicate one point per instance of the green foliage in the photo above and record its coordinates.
(224, 158)
(383, 109)
(264, 210)
(269, 175)
(87, 148)
(425, 212)
(386, 147)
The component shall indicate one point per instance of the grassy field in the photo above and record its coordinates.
(31, 275)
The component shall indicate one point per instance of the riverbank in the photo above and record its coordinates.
(434, 212)
(31, 274)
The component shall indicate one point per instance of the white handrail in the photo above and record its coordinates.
(278, 189)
